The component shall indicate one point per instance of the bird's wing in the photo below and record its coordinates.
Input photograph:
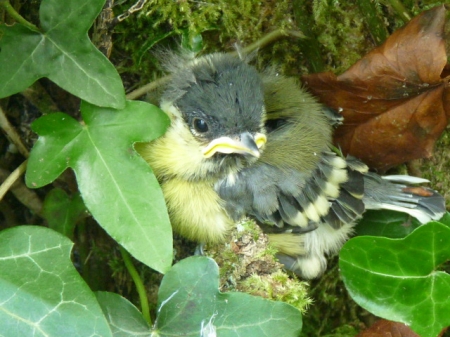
(298, 182)
(288, 200)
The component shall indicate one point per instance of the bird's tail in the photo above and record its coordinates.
(395, 192)
(398, 193)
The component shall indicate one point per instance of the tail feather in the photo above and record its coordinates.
(434, 203)
(395, 193)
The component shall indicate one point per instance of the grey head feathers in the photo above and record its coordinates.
(222, 90)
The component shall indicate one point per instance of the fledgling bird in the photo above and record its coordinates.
(243, 143)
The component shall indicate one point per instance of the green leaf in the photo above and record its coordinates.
(386, 223)
(397, 279)
(62, 52)
(445, 219)
(193, 43)
(62, 212)
(190, 304)
(124, 319)
(41, 293)
(116, 184)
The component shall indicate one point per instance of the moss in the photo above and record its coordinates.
(248, 264)
(341, 30)
(339, 26)
(279, 286)
(222, 23)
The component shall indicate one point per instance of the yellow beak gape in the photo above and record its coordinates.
(244, 144)
(260, 140)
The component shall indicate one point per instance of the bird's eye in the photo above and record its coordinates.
(200, 125)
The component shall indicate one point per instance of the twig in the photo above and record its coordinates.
(12, 134)
(261, 43)
(16, 16)
(149, 87)
(270, 38)
(26, 196)
(6, 185)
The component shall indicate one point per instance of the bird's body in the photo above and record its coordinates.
(242, 144)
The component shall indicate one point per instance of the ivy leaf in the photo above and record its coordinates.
(124, 319)
(116, 184)
(398, 279)
(61, 51)
(62, 212)
(41, 293)
(193, 43)
(386, 223)
(190, 304)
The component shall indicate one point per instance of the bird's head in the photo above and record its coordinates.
(219, 99)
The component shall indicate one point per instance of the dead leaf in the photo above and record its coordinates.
(385, 328)
(394, 101)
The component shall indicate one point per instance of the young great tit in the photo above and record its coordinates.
(243, 143)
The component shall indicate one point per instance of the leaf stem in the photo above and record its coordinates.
(6, 185)
(16, 16)
(139, 285)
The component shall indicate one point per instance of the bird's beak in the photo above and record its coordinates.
(246, 143)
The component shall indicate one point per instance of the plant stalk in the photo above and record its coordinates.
(145, 309)
(16, 16)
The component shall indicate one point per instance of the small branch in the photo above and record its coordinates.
(12, 178)
(270, 38)
(139, 285)
(22, 193)
(16, 16)
(261, 43)
(149, 87)
(12, 134)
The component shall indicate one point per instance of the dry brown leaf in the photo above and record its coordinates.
(385, 328)
(394, 101)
